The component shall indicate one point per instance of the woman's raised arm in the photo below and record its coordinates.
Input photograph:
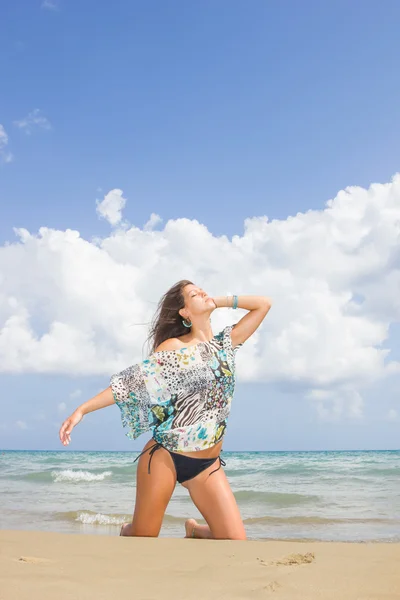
(258, 307)
(101, 400)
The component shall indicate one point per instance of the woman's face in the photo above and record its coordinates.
(197, 301)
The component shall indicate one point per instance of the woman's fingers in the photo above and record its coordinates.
(68, 425)
(65, 432)
(62, 430)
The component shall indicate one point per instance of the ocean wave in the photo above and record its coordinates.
(299, 520)
(92, 518)
(295, 469)
(236, 472)
(47, 476)
(35, 476)
(123, 471)
(88, 517)
(279, 499)
(382, 471)
(78, 476)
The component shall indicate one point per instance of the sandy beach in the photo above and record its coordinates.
(48, 566)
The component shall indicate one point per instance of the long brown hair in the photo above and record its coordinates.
(167, 322)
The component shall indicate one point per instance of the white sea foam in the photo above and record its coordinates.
(99, 519)
(77, 476)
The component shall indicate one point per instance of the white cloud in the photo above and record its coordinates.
(62, 407)
(335, 403)
(21, 425)
(392, 415)
(110, 208)
(75, 394)
(152, 222)
(49, 5)
(5, 155)
(333, 275)
(35, 120)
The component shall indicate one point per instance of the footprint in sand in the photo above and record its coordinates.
(273, 586)
(297, 559)
(292, 559)
(34, 560)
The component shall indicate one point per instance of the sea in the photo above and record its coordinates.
(337, 496)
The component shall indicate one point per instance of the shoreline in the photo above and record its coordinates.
(41, 565)
(164, 536)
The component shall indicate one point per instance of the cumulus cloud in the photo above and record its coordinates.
(333, 275)
(62, 407)
(35, 120)
(152, 222)
(75, 394)
(5, 155)
(21, 425)
(338, 401)
(111, 207)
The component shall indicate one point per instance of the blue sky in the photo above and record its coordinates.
(216, 112)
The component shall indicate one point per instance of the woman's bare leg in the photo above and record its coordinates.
(153, 493)
(215, 501)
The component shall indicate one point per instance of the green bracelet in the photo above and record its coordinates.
(235, 302)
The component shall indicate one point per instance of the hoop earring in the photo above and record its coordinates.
(183, 322)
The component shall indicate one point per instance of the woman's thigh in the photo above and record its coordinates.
(153, 491)
(214, 499)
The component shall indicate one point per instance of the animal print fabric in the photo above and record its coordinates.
(184, 396)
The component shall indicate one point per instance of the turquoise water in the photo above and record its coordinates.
(342, 496)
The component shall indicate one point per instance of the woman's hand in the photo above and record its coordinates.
(68, 425)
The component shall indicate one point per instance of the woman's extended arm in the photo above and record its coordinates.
(258, 307)
(101, 400)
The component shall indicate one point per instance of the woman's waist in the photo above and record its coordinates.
(210, 452)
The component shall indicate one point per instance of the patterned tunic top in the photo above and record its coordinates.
(184, 396)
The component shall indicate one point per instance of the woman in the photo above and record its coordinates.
(182, 393)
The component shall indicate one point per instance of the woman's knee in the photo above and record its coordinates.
(137, 530)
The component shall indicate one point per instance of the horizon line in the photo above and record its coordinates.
(225, 451)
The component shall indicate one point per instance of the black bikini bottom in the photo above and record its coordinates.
(186, 467)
